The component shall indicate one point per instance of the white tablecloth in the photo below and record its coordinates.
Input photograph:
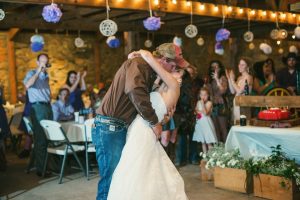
(74, 131)
(256, 141)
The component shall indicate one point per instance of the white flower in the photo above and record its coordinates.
(204, 155)
(226, 154)
(222, 166)
(201, 153)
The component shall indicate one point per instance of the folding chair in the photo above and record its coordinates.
(29, 128)
(16, 133)
(55, 133)
(89, 146)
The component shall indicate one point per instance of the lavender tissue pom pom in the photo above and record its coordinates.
(52, 13)
(114, 43)
(152, 23)
(36, 46)
(222, 34)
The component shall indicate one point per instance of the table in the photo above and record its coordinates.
(256, 141)
(74, 131)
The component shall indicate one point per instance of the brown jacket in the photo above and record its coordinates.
(129, 92)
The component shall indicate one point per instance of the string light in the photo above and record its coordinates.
(273, 15)
(264, 13)
(252, 12)
(278, 42)
(294, 15)
(216, 8)
(156, 2)
(202, 7)
(174, 1)
(241, 10)
(293, 36)
(229, 9)
(283, 16)
(188, 3)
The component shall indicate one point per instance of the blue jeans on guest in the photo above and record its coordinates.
(185, 142)
(109, 137)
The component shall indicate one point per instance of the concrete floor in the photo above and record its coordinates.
(16, 184)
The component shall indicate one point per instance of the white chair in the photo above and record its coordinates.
(55, 133)
(89, 146)
(29, 128)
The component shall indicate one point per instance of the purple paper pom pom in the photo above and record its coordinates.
(152, 23)
(114, 43)
(51, 13)
(219, 49)
(222, 34)
(36, 46)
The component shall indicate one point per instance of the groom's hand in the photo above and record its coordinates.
(157, 129)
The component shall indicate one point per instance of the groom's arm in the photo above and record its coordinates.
(137, 88)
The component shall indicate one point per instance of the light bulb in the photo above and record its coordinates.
(283, 16)
(252, 12)
(278, 42)
(188, 3)
(216, 8)
(264, 13)
(156, 2)
(229, 9)
(174, 1)
(273, 15)
(294, 15)
(293, 36)
(241, 10)
(202, 7)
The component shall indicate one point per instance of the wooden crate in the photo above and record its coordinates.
(206, 174)
(233, 179)
(269, 187)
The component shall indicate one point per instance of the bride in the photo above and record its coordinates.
(145, 171)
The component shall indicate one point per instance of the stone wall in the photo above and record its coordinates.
(4, 81)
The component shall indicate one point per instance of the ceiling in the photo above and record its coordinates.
(26, 15)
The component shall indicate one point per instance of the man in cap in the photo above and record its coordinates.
(128, 95)
(287, 77)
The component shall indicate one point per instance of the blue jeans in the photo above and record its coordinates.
(184, 142)
(109, 137)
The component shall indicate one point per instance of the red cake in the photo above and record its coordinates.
(274, 114)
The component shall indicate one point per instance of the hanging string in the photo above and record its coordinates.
(36, 31)
(78, 33)
(223, 20)
(277, 25)
(191, 12)
(248, 15)
(150, 10)
(107, 9)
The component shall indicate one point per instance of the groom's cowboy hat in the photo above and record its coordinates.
(290, 55)
(173, 52)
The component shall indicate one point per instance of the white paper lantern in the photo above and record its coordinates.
(2, 14)
(200, 41)
(293, 49)
(282, 34)
(248, 36)
(191, 31)
(148, 43)
(274, 34)
(177, 41)
(297, 32)
(79, 43)
(37, 38)
(280, 50)
(108, 27)
(267, 49)
(251, 46)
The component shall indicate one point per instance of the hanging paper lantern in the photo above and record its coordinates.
(248, 36)
(2, 14)
(36, 46)
(113, 42)
(282, 34)
(51, 13)
(274, 34)
(280, 51)
(297, 32)
(267, 49)
(79, 43)
(152, 23)
(222, 34)
(293, 49)
(219, 49)
(37, 38)
(177, 41)
(251, 46)
(200, 41)
(108, 27)
(148, 43)
(191, 31)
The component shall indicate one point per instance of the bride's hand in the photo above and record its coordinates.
(134, 54)
(157, 129)
(145, 54)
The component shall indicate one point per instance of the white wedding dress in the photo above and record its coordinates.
(145, 171)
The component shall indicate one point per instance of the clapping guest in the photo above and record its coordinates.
(62, 110)
(264, 79)
(237, 86)
(76, 84)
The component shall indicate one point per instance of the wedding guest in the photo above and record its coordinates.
(237, 86)
(76, 84)
(264, 79)
(62, 110)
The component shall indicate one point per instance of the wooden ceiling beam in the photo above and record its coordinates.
(166, 6)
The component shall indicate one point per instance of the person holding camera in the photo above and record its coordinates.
(37, 85)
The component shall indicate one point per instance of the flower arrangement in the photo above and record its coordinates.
(218, 157)
(276, 164)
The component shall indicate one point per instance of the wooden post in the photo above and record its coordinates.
(97, 62)
(12, 64)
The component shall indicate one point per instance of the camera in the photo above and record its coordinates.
(48, 65)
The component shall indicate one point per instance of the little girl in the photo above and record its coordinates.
(204, 129)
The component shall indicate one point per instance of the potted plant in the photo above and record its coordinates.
(229, 172)
(275, 176)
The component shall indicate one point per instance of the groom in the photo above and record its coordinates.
(128, 95)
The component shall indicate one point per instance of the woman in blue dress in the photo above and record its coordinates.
(76, 84)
